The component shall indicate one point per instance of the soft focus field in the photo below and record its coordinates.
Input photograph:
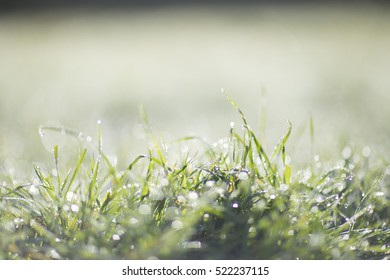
(84, 81)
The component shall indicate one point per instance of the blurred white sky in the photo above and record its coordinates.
(76, 67)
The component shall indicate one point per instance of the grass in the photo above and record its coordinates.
(228, 200)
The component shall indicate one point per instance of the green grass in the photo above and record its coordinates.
(229, 200)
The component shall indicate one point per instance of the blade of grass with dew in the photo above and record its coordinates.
(92, 190)
(148, 129)
(55, 151)
(270, 172)
(80, 161)
(377, 180)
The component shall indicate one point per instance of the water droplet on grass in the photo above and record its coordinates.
(156, 194)
(52, 134)
(144, 209)
(345, 237)
(347, 152)
(365, 243)
(366, 151)
(210, 184)
(181, 199)
(177, 224)
(283, 187)
(33, 190)
(235, 205)
(54, 254)
(193, 196)
(69, 196)
(74, 208)
(164, 182)
(243, 176)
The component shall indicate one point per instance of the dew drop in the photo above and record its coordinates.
(366, 151)
(144, 209)
(156, 194)
(210, 184)
(283, 187)
(181, 199)
(74, 208)
(134, 221)
(193, 196)
(235, 205)
(177, 224)
(192, 245)
(345, 237)
(164, 182)
(52, 134)
(33, 190)
(69, 196)
(347, 152)
(243, 176)
(54, 254)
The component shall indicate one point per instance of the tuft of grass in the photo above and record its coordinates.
(231, 201)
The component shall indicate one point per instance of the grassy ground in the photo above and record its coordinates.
(228, 200)
(136, 192)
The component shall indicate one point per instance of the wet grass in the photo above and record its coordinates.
(228, 200)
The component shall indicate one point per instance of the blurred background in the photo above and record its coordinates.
(68, 64)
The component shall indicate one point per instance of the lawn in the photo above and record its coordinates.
(228, 200)
(116, 142)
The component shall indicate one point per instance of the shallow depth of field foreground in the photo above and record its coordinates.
(203, 133)
(229, 200)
